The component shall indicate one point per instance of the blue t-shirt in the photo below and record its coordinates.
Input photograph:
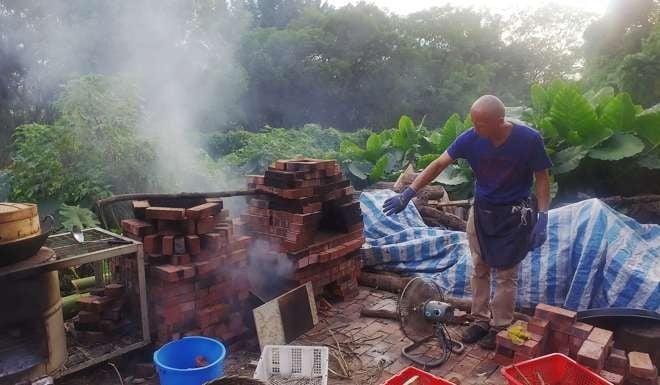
(504, 174)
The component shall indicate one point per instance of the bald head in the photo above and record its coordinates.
(487, 115)
(489, 105)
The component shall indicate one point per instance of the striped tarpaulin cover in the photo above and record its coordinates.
(594, 256)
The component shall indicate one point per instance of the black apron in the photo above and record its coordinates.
(504, 231)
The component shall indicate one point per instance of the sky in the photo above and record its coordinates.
(405, 7)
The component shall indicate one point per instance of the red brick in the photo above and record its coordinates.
(538, 326)
(520, 357)
(640, 365)
(601, 336)
(188, 271)
(139, 208)
(560, 319)
(180, 259)
(114, 290)
(575, 343)
(255, 179)
(532, 347)
(204, 225)
(240, 243)
(89, 317)
(614, 378)
(558, 342)
(93, 303)
(165, 227)
(136, 227)
(168, 273)
(581, 330)
(152, 244)
(617, 362)
(169, 300)
(202, 267)
(210, 241)
(203, 211)
(179, 245)
(193, 244)
(592, 354)
(188, 226)
(167, 247)
(172, 289)
(633, 380)
(312, 208)
(168, 213)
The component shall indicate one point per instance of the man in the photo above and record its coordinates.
(502, 226)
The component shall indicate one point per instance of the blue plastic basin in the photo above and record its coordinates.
(176, 361)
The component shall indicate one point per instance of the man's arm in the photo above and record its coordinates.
(398, 202)
(431, 171)
(542, 190)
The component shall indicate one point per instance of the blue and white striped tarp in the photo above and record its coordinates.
(594, 256)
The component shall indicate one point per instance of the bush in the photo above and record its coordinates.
(92, 149)
(263, 148)
(224, 143)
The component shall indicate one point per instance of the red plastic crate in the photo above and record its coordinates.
(424, 377)
(556, 369)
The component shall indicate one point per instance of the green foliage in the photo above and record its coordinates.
(388, 153)
(261, 149)
(599, 124)
(92, 149)
(617, 147)
(224, 143)
(77, 216)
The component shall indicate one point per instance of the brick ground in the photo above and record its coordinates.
(377, 342)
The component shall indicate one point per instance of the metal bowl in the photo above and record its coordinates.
(25, 248)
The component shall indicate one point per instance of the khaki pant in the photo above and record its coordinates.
(506, 285)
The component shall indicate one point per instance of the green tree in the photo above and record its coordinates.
(611, 39)
(639, 73)
(91, 150)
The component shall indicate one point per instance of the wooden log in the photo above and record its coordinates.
(431, 192)
(433, 217)
(391, 283)
(379, 313)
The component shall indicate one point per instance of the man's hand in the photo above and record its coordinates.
(397, 203)
(539, 233)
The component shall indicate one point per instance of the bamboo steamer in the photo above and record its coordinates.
(18, 220)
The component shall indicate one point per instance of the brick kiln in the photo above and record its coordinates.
(197, 274)
(308, 219)
(305, 217)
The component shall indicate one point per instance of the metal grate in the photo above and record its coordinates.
(65, 245)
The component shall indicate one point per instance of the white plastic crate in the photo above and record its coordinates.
(293, 365)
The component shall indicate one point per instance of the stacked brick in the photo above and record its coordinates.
(556, 330)
(307, 212)
(197, 276)
(507, 351)
(641, 370)
(101, 314)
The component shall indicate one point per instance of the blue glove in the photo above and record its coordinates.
(539, 233)
(397, 203)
